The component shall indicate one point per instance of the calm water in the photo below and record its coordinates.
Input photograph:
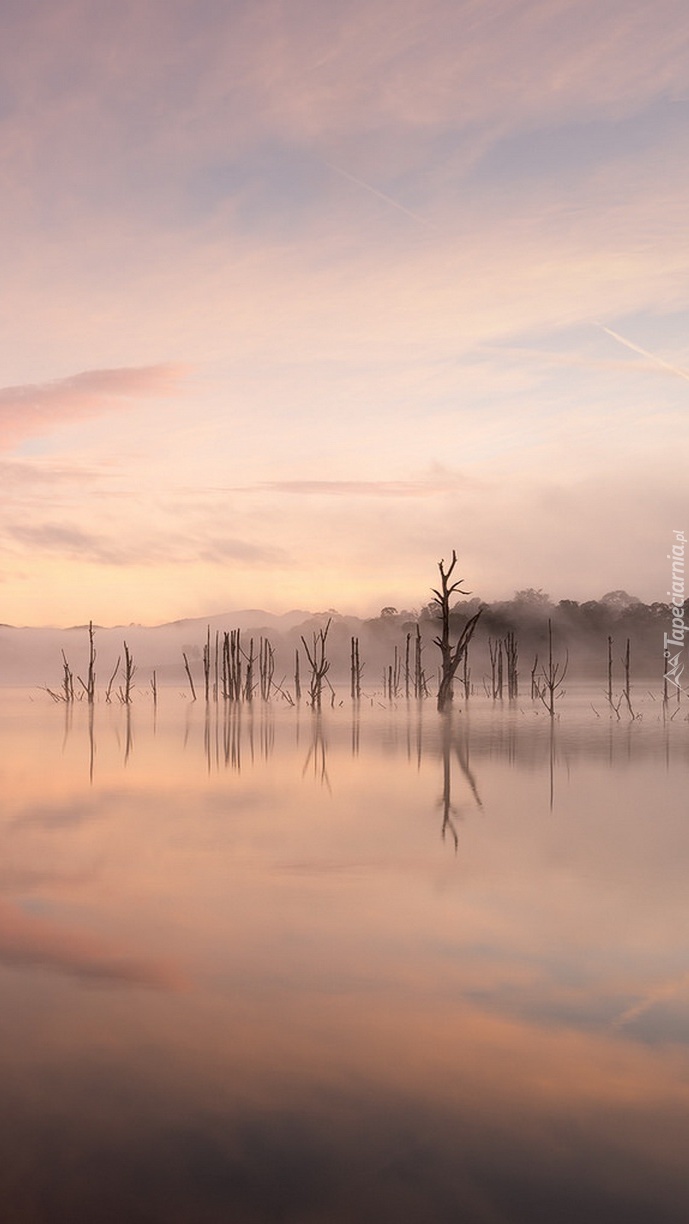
(280, 968)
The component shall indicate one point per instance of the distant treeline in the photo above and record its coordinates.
(396, 650)
(581, 629)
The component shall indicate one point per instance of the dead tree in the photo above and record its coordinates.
(266, 667)
(297, 678)
(512, 655)
(125, 694)
(67, 680)
(249, 681)
(665, 697)
(66, 691)
(627, 681)
(535, 686)
(553, 677)
(495, 652)
(625, 694)
(207, 665)
(90, 686)
(391, 677)
(225, 666)
(466, 675)
(451, 655)
(355, 670)
(232, 666)
(319, 665)
(420, 681)
(236, 655)
(189, 676)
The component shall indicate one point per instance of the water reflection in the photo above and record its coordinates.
(317, 756)
(455, 744)
(228, 733)
(245, 978)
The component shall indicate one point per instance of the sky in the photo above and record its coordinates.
(297, 297)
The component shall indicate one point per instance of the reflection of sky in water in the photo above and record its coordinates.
(247, 975)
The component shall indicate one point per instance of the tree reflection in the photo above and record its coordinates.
(317, 755)
(455, 745)
(232, 735)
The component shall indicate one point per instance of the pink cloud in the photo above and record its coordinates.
(39, 407)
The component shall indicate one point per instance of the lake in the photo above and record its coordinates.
(263, 965)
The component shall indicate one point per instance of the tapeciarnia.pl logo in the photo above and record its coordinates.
(673, 642)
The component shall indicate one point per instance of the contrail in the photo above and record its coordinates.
(381, 195)
(666, 365)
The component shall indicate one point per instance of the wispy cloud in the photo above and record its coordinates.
(136, 547)
(432, 486)
(30, 409)
(362, 488)
(218, 549)
(76, 543)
